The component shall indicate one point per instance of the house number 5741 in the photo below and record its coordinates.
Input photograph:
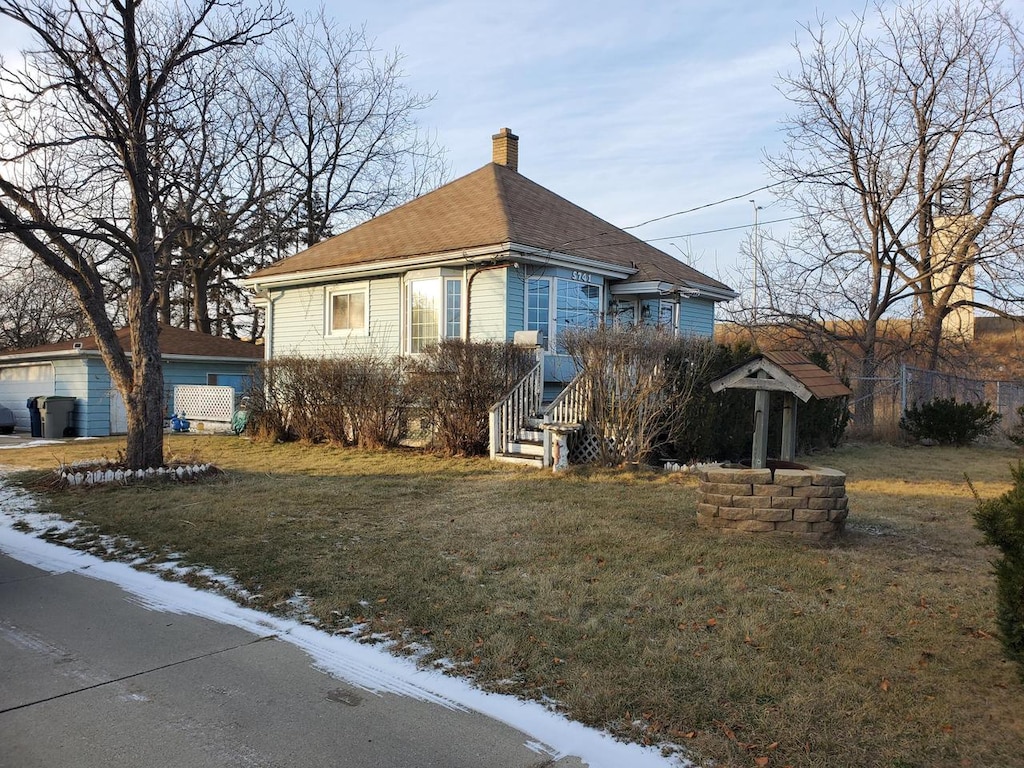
(583, 277)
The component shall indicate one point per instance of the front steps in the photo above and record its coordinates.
(527, 448)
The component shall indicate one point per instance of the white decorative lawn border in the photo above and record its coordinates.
(106, 472)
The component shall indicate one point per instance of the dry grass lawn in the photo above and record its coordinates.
(596, 591)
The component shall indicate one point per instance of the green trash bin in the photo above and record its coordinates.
(56, 414)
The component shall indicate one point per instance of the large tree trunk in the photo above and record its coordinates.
(144, 399)
(864, 395)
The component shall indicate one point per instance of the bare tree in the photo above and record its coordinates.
(76, 177)
(903, 161)
(639, 381)
(35, 308)
(348, 136)
(218, 182)
(288, 142)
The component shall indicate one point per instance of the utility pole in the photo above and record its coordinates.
(756, 247)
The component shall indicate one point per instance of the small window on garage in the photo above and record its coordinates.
(240, 382)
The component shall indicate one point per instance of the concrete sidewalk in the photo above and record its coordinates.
(89, 678)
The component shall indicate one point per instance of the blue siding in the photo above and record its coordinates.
(515, 302)
(487, 299)
(697, 316)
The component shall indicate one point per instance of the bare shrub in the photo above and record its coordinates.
(373, 400)
(268, 414)
(357, 401)
(641, 380)
(456, 382)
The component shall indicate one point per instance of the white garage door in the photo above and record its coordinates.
(20, 382)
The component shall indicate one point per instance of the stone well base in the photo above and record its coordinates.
(810, 503)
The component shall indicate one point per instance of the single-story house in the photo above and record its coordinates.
(75, 369)
(480, 258)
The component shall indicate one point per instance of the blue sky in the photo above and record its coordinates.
(633, 110)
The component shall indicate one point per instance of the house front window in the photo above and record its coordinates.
(538, 305)
(573, 305)
(346, 311)
(622, 313)
(435, 312)
(578, 306)
(453, 309)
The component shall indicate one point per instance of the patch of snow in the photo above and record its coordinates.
(33, 444)
(365, 666)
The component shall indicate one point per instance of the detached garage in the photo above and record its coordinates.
(75, 369)
(20, 382)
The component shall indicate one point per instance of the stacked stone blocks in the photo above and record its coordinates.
(808, 503)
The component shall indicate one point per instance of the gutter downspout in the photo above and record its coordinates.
(268, 334)
(469, 291)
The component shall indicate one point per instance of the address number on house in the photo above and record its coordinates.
(583, 277)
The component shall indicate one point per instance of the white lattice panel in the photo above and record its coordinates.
(199, 402)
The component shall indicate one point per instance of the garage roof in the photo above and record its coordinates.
(174, 342)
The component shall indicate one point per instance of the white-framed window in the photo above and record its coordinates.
(622, 313)
(658, 313)
(348, 310)
(554, 305)
(538, 305)
(435, 311)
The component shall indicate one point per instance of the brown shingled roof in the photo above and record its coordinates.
(173, 341)
(491, 206)
(820, 382)
(787, 371)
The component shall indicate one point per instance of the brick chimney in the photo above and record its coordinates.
(506, 149)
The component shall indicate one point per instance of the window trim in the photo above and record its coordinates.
(554, 282)
(346, 290)
(442, 278)
(552, 301)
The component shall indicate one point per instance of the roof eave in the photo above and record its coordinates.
(376, 268)
(545, 256)
(517, 251)
(34, 356)
(711, 292)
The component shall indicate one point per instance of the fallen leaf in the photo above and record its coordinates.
(761, 761)
(885, 684)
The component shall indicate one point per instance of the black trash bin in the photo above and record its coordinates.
(35, 418)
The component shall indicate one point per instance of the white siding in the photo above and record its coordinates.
(300, 316)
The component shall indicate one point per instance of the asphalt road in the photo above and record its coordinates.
(89, 678)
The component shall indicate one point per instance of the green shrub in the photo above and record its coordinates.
(948, 422)
(720, 426)
(1002, 523)
(1017, 435)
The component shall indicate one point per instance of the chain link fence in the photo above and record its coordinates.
(886, 397)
